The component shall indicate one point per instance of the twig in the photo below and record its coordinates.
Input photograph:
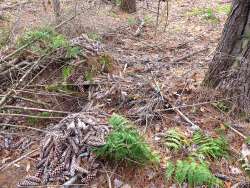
(158, 14)
(30, 116)
(22, 127)
(34, 109)
(167, 10)
(189, 55)
(139, 29)
(46, 93)
(28, 100)
(17, 160)
(197, 104)
(194, 126)
(11, 91)
(158, 90)
(16, 51)
(71, 181)
(108, 177)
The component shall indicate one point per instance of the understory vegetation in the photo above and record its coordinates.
(109, 98)
(192, 172)
(126, 144)
(44, 40)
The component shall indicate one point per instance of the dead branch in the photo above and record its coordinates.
(28, 100)
(189, 55)
(23, 127)
(34, 109)
(11, 91)
(194, 126)
(18, 159)
(30, 116)
(139, 29)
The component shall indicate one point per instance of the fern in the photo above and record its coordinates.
(181, 173)
(175, 140)
(214, 148)
(192, 172)
(125, 143)
(170, 168)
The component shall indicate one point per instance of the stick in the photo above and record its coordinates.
(23, 127)
(30, 116)
(28, 100)
(17, 160)
(71, 181)
(189, 55)
(139, 29)
(34, 109)
(16, 51)
(158, 14)
(194, 126)
(11, 91)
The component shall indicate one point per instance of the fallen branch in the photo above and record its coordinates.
(17, 160)
(189, 55)
(23, 127)
(28, 100)
(34, 109)
(11, 91)
(30, 116)
(139, 29)
(194, 126)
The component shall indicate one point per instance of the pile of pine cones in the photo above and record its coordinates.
(66, 150)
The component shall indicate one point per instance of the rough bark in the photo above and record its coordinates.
(230, 67)
(57, 9)
(128, 6)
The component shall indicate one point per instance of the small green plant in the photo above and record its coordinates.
(126, 144)
(206, 13)
(73, 52)
(131, 21)
(214, 148)
(45, 114)
(94, 36)
(223, 106)
(192, 172)
(175, 140)
(4, 36)
(224, 9)
(106, 62)
(66, 72)
(34, 120)
(148, 19)
(42, 40)
(118, 2)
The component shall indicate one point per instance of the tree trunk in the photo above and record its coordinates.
(230, 67)
(128, 6)
(57, 9)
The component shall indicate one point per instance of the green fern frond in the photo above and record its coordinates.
(175, 140)
(182, 169)
(125, 143)
(192, 172)
(170, 168)
(214, 148)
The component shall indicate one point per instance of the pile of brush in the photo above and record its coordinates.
(66, 150)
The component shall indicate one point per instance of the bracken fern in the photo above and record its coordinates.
(125, 143)
(191, 172)
(175, 140)
(214, 148)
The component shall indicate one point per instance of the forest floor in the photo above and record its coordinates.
(171, 57)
